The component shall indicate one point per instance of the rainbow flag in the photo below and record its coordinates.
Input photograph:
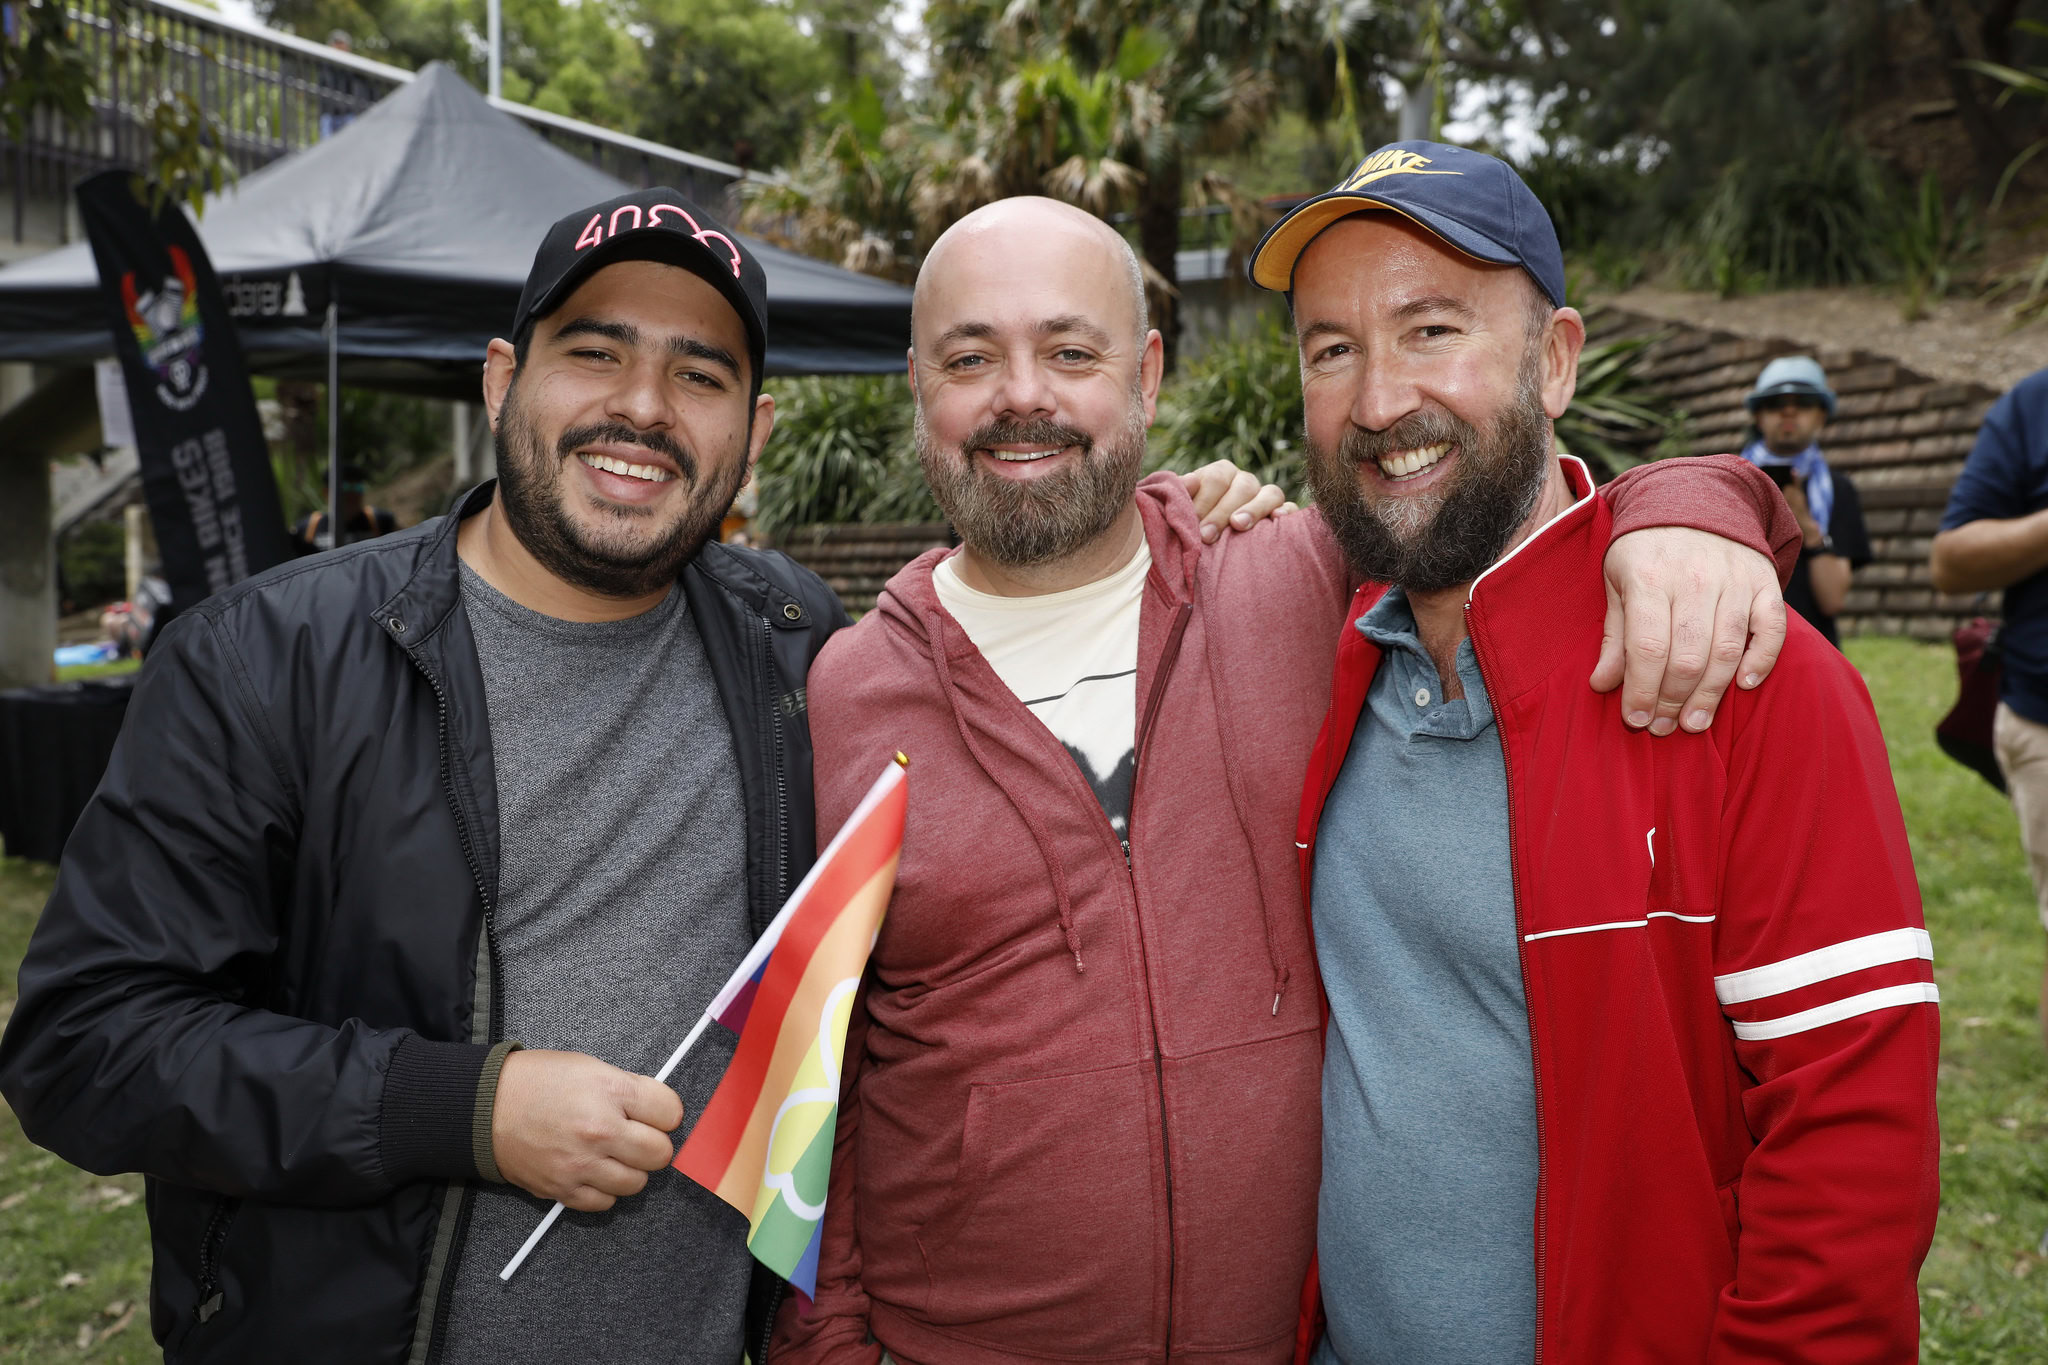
(764, 1142)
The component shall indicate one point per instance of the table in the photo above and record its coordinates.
(54, 745)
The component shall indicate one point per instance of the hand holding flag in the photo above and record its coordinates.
(764, 1142)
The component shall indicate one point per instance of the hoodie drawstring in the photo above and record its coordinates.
(935, 627)
(1240, 806)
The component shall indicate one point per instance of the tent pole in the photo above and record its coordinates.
(497, 68)
(334, 527)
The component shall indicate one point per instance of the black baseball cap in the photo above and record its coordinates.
(1473, 202)
(647, 225)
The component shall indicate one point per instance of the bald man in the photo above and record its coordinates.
(1080, 1119)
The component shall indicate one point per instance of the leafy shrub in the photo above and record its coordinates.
(1777, 221)
(841, 452)
(93, 558)
(1927, 240)
(1614, 421)
(1239, 400)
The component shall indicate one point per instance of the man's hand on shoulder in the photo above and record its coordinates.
(570, 1127)
(1228, 497)
(1687, 613)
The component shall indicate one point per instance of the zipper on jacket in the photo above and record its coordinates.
(1528, 1001)
(1140, 744)
(211, 1295)
(760, 1357)
(444, 1302)
(771, 708)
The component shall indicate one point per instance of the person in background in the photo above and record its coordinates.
(1791, 403)
(1994, 536)
(359, 520)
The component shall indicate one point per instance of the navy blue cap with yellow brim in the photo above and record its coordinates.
(1473, 202)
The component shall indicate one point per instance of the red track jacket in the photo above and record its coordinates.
(1730, 990)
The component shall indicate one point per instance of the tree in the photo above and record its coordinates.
(730, 79)
(48, 70)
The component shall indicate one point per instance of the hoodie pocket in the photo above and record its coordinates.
(1054, 1234)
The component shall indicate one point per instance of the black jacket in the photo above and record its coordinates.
(268, 975)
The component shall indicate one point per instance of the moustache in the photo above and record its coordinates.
(1043, 432)
(618, 433)
(1411, 432)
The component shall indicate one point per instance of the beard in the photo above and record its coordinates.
(628, 554)
(1022, 523)
(1455, 532)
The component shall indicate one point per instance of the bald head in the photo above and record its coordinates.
(1014, 236)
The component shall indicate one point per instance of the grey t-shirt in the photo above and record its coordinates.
(1425, 1231)
(621, 911)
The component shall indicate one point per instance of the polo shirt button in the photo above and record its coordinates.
(1422, 696)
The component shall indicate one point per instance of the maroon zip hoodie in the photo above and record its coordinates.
(1080, 1117)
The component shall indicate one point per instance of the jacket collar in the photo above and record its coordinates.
(1519, 608)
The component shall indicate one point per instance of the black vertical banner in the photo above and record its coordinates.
(205, 468)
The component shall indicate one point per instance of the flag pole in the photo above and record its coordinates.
(533, 1238)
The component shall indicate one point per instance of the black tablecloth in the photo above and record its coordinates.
(54, 743)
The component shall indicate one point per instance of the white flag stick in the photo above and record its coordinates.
(533, 1238)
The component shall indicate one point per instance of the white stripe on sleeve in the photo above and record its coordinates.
(1912, 993)
(1823, 964)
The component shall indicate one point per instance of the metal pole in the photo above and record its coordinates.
(497, 83)
(334, 527)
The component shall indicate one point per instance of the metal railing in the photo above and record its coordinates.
(268, 94)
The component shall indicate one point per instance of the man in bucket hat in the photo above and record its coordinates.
(536, 770)
(1630, 1044)
(1791, 404)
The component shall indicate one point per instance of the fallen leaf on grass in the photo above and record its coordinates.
(70, 1279)
(115, 1309)
(13, 1199)
(1975, 1021)
(2023, 1267)
(86, 1334)
(1987, 1219)
(2011, 1125)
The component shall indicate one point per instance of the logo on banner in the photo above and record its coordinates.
(167, 329)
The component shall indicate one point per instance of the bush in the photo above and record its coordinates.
(93, 560)
(1240, 400)
(1614, 421)
(841, 452)
(1778, 221)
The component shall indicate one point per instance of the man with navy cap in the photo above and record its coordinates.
(1791, 403)
(538, 770)
(1630, 1043)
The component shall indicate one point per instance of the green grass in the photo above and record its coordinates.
(74, 1247)
(1984, 1293)
(74, 672)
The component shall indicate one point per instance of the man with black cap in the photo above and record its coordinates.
(1791, 404)
(535, 771)
(1630, 1044)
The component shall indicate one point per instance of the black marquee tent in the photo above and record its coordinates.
(419, 221)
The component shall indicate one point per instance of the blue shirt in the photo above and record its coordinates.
(1425, 1226)
(2006, 476)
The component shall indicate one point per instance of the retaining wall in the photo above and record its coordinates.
(1900, 435)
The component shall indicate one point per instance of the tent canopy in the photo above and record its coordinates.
(420, 220)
